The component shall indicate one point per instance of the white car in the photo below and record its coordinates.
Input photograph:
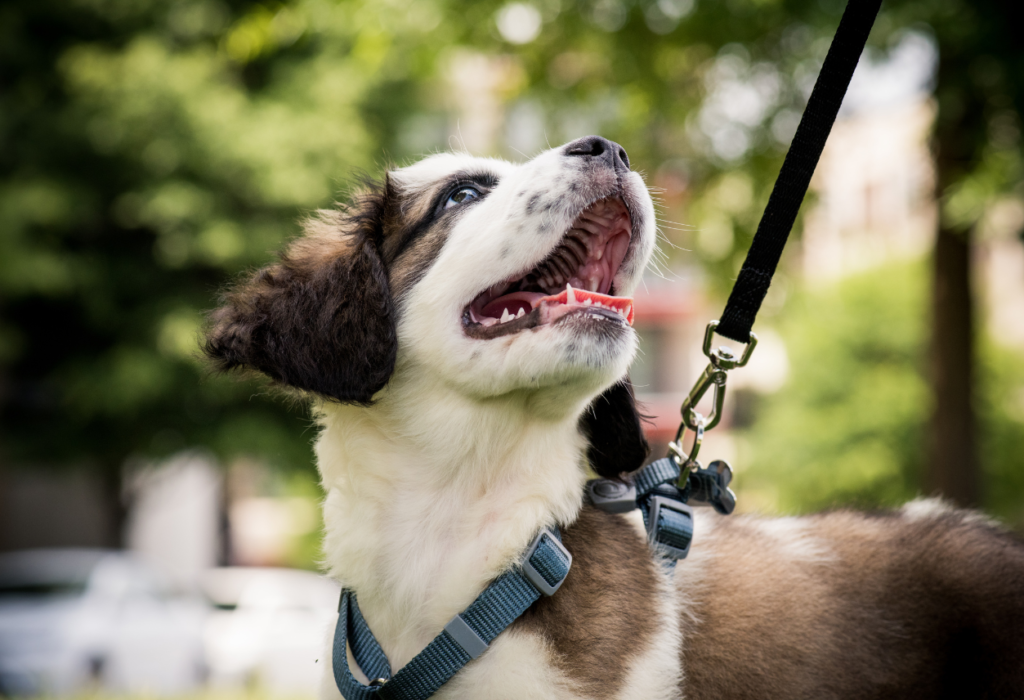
(79, 619)
(269, 628)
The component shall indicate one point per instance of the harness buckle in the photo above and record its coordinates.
(710, 486)
(534, 576)
(611, 496)
(673, 537)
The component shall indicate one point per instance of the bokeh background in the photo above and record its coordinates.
(152, 150)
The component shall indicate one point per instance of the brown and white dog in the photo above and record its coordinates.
(462, 391)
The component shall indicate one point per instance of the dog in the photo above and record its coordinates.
(462, 330)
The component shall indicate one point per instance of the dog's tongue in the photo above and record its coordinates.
(581, 297)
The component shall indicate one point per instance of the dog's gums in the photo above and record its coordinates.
(575, 278)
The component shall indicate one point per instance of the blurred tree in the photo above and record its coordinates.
(980, 94)
(148, 151)
(849, 426)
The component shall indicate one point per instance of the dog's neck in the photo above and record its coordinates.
(431, 494)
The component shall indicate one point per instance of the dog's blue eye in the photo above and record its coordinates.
(461, 196)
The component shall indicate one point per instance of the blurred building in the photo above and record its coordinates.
(175, 519)
(876, 203)
(874, 189)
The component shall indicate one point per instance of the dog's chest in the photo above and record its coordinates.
(610, 632)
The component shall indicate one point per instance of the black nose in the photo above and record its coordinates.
(597, 147)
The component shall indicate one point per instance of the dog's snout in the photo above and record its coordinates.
(601, 148)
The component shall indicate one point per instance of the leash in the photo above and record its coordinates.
(794, 177)
(663, 490)
(765, 251)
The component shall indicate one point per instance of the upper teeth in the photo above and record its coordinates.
(570, 298)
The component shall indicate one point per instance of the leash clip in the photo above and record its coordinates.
(722, 359)
(715, 374)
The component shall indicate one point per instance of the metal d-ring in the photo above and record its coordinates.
(724, 357)
(687, 460)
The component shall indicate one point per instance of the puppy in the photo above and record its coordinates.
(463, 332)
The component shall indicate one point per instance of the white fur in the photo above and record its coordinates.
(795, 538)
(656, 673)
(935, 508)
(473, 446)
(517, 665)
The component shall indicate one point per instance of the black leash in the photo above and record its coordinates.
(795, 175)
(709, 486)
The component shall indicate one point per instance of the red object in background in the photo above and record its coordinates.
(665, 304)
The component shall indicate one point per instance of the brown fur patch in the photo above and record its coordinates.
(322, 319)
(604, 615)
(890, 609)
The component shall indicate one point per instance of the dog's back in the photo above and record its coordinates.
(924, 603)
(927, 602)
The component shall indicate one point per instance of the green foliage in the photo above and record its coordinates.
(1001, 416)
(148, 152)
(152, 150)
(848, 425)
(848, 428)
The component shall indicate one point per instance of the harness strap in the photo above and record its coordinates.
(794, 177)
(658, 472)
(667, 517)
(464, 638)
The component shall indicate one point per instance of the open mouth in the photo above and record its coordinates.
(574, 279)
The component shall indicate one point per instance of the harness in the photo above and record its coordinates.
(543, 569)
(664, 489)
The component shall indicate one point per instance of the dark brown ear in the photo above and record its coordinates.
(612, 425)
(322, 319)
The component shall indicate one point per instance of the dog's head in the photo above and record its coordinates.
(493, 278)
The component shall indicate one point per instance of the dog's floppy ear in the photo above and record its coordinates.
(322, 319)
(612, 425)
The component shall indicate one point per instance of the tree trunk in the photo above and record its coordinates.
(117, 504)
(952, 467)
